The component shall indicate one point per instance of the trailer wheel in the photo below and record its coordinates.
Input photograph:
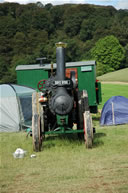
(37, 122)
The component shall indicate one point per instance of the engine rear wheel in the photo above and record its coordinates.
(84, 118)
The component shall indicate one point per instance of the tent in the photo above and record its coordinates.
(115, 111)
(15, 107)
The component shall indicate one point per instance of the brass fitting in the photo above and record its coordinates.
(61, 44)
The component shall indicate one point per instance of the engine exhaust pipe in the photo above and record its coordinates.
(60, 60)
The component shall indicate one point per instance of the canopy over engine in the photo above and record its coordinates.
(61, 99)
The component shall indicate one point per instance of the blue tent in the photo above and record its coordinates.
(115, 111)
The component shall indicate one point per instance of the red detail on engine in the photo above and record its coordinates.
(41, 84)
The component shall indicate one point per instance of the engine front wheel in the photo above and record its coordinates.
(36, 133)
(37, 122)
(88, 129)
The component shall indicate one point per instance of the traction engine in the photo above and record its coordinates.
(60, 108)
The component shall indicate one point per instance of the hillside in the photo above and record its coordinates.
(31, 31)
(117, 76)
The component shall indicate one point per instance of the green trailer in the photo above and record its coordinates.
(31, 75)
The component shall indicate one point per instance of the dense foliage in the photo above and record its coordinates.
(31, 31)
(108, 53)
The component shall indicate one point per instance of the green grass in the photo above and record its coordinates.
(117, 76)
(65, 165)
(109, 90)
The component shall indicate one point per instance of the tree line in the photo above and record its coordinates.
(90, 31)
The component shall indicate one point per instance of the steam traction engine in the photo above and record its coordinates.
(60, 107)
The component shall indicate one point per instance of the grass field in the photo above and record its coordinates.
(65, 165)
(120, 75)
(109, 90)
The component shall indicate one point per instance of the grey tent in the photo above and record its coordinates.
(15, 107)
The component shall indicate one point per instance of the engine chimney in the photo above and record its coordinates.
(60, 60)
(61, 102)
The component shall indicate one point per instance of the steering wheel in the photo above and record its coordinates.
(41, 84)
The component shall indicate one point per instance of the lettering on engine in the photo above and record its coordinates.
(61, 82)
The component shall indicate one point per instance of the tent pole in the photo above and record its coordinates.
(113, 116)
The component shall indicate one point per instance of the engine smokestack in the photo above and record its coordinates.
(60, 60)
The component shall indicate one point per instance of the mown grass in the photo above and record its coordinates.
(119, 75)
(109, 90)
(65, 165)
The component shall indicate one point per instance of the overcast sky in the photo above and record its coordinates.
(119, 4)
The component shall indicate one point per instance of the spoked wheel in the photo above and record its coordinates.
(84, 118)
(37, 122)
(36, 133)
(88, 130)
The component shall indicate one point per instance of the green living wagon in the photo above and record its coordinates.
(30, 75)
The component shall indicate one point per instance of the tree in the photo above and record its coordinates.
(73, 19)
(39, 4)
(108, 54)
(48, 6)
(72, 26)
(41, 20)
(73, 50)
(126, 57)
(86, 31)
(30, 31)
(57, 16)
(19, 43)
(7, 26)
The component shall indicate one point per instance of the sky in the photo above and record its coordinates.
(118, 4)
